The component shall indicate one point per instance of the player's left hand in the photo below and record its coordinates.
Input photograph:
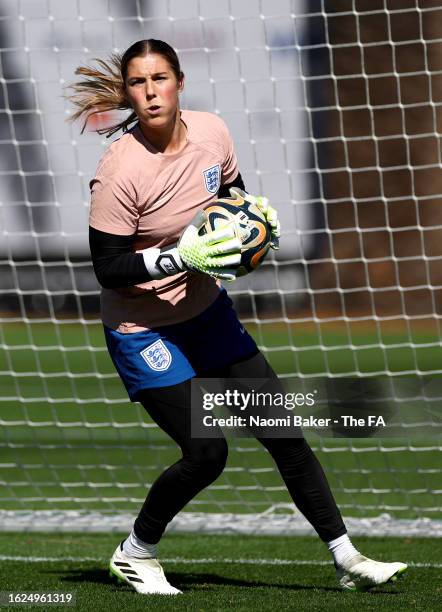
(270, 213)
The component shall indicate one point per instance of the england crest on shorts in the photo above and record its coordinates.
(212, 178)
(157, 356)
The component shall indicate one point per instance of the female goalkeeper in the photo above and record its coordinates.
(166, 317)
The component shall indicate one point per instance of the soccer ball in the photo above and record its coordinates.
(252, 228)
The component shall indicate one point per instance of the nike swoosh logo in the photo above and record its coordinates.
(242, 330)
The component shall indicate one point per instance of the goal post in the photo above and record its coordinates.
(336, 117)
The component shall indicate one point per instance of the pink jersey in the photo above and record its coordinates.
(139, 191)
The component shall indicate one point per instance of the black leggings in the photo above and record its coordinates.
(203, 461)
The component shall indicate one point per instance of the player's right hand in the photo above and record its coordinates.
(216, 253)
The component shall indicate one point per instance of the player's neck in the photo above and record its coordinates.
(170, 139)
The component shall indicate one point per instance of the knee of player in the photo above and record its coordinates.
(208, 459)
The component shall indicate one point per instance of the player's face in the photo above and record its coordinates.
(152, 90)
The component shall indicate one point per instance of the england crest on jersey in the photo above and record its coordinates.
(212, 178)
(157, 356)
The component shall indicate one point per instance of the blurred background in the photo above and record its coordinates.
(335, 110)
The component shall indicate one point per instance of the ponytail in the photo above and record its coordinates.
(101, 91)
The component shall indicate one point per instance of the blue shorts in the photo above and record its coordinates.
(168, 355)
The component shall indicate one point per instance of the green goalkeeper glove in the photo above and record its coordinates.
(270, 213)
(217, 253)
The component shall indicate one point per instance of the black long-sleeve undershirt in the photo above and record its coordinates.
(115, 264)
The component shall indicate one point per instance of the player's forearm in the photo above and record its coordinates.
(116, 265)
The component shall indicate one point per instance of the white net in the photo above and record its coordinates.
(335, 115)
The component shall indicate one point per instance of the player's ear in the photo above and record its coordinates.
(181, 82)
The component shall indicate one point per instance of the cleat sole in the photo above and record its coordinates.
(116, 577)
(398, 575)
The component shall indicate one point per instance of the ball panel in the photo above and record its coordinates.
(259, 256)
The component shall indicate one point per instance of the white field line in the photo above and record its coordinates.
(181, 560)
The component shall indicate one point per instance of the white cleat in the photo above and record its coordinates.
(361, 574)
(146, 576)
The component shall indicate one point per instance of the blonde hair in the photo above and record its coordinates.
(101, 91)
(104, 90)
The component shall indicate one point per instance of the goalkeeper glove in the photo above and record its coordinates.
(216, 253)
(270, 213)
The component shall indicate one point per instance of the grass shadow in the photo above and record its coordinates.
(183, 580)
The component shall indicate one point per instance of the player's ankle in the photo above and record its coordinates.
(136, 548)
(342, 550)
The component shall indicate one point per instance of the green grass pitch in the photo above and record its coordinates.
(220, 573)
